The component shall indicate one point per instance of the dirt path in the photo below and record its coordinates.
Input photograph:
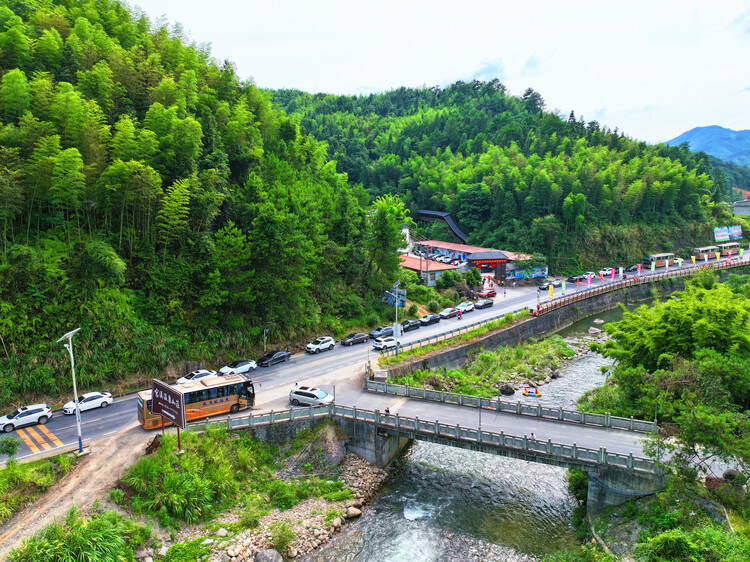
(92, 478)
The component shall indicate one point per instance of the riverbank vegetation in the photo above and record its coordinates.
(216, 471)
(528, 361)
(687, 360)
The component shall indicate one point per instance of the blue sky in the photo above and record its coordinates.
(654, 69)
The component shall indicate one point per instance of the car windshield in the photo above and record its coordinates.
(350, 336)
(234, 364)
(319, 340)
(13, 414)
(447, 309)
(320, 394)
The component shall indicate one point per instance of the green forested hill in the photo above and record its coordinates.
(169, 209)
(514, 175)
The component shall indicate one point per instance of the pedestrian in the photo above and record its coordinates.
(387, 411)
(504, 292)
(532, 436)
(514, 284)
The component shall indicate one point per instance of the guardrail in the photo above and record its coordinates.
(650, 278)
(447, 335)
(415, 428)
(518, 408)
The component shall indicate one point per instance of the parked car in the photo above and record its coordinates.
(357, 337)
(487, 293)
(632, 268)
(448, 312)
(574, 278)
(273, 357)
(25, 415)
(585, 275)
(385, 343)
(197, 375)
(89, 401)
(239, 367)
(407, 325)
(484, 303)
(309, 396)
(456, 262)
(605, 271)
(465, 307)
(428, 319)
(486, 267)
(557, 283)
(381, 331)
(323, 343)
(544, 286)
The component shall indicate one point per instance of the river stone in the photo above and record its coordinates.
(556, 374)
(352, 512)
(291, 552)
(208, 542)
(268, 555)
(163, 551)
(599, 321)
(222, 532)
(594, 331)
(336, 523)
(507, 390)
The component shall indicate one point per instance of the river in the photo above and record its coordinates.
(448, 504)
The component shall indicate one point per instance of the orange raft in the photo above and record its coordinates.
(532, 392)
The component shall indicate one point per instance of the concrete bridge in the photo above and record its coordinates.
(613, 458)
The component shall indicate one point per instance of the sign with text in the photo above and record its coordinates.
(168, 403)
(389, 298)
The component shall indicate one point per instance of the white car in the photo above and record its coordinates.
(239, 367)
(89, 401)
(196, 376)
(607, 271)
(309, 396)
(322, 343)
(465, 307)
(25, 415)
(385, 343)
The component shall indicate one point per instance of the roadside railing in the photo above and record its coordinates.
(559, 302)
(415, 428)
(517, 408)
(447, 335)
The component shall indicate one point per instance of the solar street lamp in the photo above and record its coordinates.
(69, 347)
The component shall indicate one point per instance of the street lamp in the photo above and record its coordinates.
(69, 347)
(265, 333)
(396, 327)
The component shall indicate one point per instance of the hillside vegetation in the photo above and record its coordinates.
(167, 208)
(516, 176)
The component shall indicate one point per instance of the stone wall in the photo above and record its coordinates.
(536, 326)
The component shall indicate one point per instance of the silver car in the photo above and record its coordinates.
(309, 396)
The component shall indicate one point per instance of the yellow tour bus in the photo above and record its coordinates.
(207, 397)
(705, 252)
(660, 260)
(729, 248)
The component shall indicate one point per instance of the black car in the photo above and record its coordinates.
(274, 357)
(428, 319)
(632, 268)
(351, 339)
(381, 332)
(484, 303)
(574, 278)
(407, 325)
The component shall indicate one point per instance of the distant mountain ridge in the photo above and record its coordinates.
(727, 144)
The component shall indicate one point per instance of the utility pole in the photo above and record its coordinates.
(69, 347)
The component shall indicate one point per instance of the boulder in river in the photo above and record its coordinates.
(593, 331)
(268, 555)
(507, 390)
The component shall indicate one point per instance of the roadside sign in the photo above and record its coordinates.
(168, 403)
(396, 284)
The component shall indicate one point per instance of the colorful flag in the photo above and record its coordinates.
(588, 280)
(563, 288)
(693, 258)
(718, 255)
(653, 266)
(612, 275)
(620, 273)
(550, 290)
(742, 251)
(639, 269)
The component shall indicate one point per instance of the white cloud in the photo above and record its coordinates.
(652, 69)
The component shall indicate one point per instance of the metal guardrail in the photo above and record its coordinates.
(518, 408)
(414, 428)
(447, 335)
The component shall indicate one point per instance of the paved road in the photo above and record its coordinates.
(339, 370)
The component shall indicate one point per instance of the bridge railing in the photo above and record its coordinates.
(518, 408)
(427, 428)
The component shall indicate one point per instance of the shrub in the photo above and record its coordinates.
(9, 445)
(674, 545)
(282, 535)
(250, 517)
(117, 496)
(433, 306)
(413, 309)
(187, 552)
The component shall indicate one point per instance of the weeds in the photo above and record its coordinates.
(282, 535)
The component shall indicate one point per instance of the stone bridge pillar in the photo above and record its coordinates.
(371, 443)
(610, 486)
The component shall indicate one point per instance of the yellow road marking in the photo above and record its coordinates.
(29, 442)
(52, 437)
(38, 438)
